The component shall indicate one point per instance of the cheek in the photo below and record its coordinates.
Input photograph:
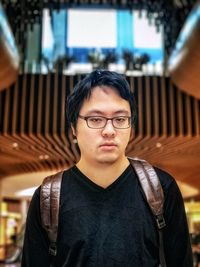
(86, 139)
(126, 135)
(87, 145)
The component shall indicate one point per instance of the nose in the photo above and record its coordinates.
(109, 130)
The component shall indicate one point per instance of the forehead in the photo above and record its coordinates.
(105, 100)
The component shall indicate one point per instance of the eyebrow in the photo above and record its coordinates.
(99, 112)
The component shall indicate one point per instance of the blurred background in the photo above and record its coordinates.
(46, 47)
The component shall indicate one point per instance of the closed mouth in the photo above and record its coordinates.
(108, 145)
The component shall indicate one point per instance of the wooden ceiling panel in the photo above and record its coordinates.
(33, 135)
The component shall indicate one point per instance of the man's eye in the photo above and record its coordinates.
(96, 119)
(120, 119)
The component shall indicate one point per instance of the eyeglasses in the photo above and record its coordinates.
(99, 122)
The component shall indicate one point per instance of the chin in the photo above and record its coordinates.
(108, 159)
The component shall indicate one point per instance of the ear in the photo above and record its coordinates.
(73, 130)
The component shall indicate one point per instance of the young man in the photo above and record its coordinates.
(104, 220)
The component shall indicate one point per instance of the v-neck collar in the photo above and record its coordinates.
(84, 179)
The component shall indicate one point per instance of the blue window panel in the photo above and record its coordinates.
(59, 33)
(81, 54)
(33, 43)
(154, 54)
(124, 30)
(47, 37)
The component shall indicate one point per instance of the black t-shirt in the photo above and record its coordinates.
(110, 227)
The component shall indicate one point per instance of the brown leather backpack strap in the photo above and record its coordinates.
(49, 208)
(151, 186)
(153, 192)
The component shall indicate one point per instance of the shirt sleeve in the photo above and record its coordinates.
(176, 234)
(36, 244)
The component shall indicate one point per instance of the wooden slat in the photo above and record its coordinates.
(67, 139)
(188, 115)
(69, 157)
(155, 107)
(172, 110)
(6, 112)
(197, 117)
(148, 106)
(163, 107)
(140, 108)
(180, 112)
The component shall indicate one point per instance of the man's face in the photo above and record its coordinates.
(105, 145)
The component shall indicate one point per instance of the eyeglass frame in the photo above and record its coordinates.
(107, 119)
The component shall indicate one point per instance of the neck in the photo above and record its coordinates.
(103, 174)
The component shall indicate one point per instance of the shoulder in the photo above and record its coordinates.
(56, 177)
(168, 183)
(166, 179)
(69, 172)
(68, 176)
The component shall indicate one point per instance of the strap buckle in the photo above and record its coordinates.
(160, 221)
(53, 248)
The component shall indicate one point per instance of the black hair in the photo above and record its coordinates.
(84, 87)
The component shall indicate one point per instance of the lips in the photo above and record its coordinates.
(108, 146)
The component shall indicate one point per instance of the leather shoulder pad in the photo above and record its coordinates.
(49, 204)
